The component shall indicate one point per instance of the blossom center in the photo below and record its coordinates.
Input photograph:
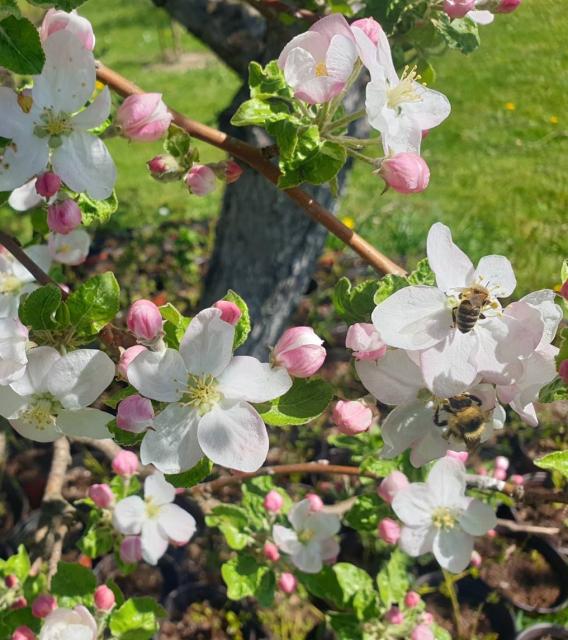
(405, 90)
(42, 411)
(444, 518)
(9, 283)
(321, 70)
(202, 393)
(305, 536)
(152, 509)
(53, 126)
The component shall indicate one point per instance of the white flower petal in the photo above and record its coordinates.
(172, 445)
(451, 266)
(234, 436)
(329, 549)
(413, 318)
(129, 515)
(96, 113)
(340, 58)
(87, 423)
(367, 52)
(452, 549)
(539, 370)
(323, 525)
(30, 431)
(69, 248)
(496, 274)
(431, 446)
(299, 514)
(14, 122)
(78, 378)
(154, 544)
(159, 375)
(175, 523)
(551, 313)
(25, 197)
(308, 558)
(22, 160)
(405, 426)
(11, 402)
(414, 504)
(477, 518)
(432, 109)
(285, 539)
(299, 67)
(416, 540)
(207, 346)
(481, 17)
(159, 489)
(446, 482)
(248, 379)
(41, 361)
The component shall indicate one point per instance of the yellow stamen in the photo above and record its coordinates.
(405, 90)
(9, 284)
(443, 518)
(321, 70)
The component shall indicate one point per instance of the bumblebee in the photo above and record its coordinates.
(470, 308)
(465, 419)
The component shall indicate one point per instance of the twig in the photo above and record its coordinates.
(256, 159)
(106, 446)
(271, 9)
(511, 525)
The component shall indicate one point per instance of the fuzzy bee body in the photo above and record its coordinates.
(470, 309)
(465, 419)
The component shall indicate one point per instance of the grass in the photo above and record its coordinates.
(498, 173)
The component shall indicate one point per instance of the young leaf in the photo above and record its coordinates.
(242, 328)
(73, 582)
(97, 210)
(355, 303)
(17, 565)
(175, 325)
(39, 308)
(93, 305)
(392, 581)
(9, 8)
(245, 577)
(136, 619)
(20, 47)
(366, 513)
(555, 390)
(192, 476)
(460, 33)
(555, 461)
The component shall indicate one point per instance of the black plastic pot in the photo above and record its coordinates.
(475, 593)
(540, 631)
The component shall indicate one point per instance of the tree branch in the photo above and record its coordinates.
(256, 159)
(272, 8)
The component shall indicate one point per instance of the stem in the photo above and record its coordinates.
(256, 159)
(449, 582)
(362, 156)
(344, 121)
(335, 103)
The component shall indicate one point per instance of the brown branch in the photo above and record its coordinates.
(256, 159)
(517, 527)
(272, 8)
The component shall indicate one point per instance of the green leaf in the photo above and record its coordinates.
(423, 274)
(259, 112)
(345, 625)
(122, 437)
(268, 81)
(232, 521)
(378, 466)
(461, 33)
(440, 633)
(245, 577)
(355, 303)
(66, 5)
(175, 325)
(122, 488)
(73, 582)
(136, 619)
(38, 310)
(94, 304)
(286, 134)
(555, 390)
(192, 476)
(9, 8)
(556, 461)
(97, 541)
(10, 620)
(178, 145)
(243, 326)
(388, 285)
(114, 400)
(97, 210)
(306, 400)
(366, 513)
(392, 581)
(17, 565)
(20, 46)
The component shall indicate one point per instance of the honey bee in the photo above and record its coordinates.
(465, 419)
(470, 308)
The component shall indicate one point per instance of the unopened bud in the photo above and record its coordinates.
(63, 217)
(145, 320)
(316, 503)
(405, 172)
(200, 180)
(300, 351)
(370, 27)
(104, 598)
(389, 531)
(475, 559)
(143, 117)
(23, 633)
(230, 313)
(412, 599)
(47, 184)
(101, 495)
(271, 552)
(394, 616)
(134, 414)
(458, 8)
(164, 168)
(422, 632)
(391, 485)
(287, 583)
(352, 417)
(273, 501)
(43, 605)
(125, 464)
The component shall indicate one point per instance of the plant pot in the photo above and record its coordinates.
(473, 595)
(541, 631)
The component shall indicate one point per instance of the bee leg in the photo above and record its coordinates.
(477, 400)
(437, 421)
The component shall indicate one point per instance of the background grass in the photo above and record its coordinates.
(498, 163)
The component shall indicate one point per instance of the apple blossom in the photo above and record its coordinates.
(155, 518)
(143, 117)
(299, 351)
(389, 531)
(370, 27)
(13, 345)
(412, 599)
(70, 248)
(270, 552)
(287, 583)
(126, 358)
(75, 24)
(311, 541)
(273, 501)
(394, 616)
(405, 172)
(502, 462)
(25, 197)
(316, 503)
(43, 605)
(365, 342)
(131, 549)
(200, 180)
(64, 216)
(209, 392)
(47, 184)
(318, 63)
(23, 633)
(56, 127)
(399, 108)
(19, 603)
(458, 8)
(475, 560)
(422, 632)
(507, 6)
(125, 463)
(144, 320)
(439, 517)
(391, 485)
(16, 280)
(462, 456)
(164, 168)
(427, 618)
(229, 311)
(104, 598)
(69, 624)
(101, 495)
(352, 417)
(52, 397)
(135, 414)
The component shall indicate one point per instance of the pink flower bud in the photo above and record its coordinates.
(405, 172)
(300, 351)
(273, 501)
(394, 482)
(564, 290)
(143, 117)
(135, 414)
(271, 552)
(316, 503)
(104, 598)
(394, 616)
(131, 549)
(48, 184)
(200, 180)
(462, 456)
(365, 342)
(11, 581)
(43, 605)
(64, 216)
(144, 320)
(458, 8)
(233, 171)
(563, 371)
(19, 603)
(507, 6)
(389, 531)
(422, 632)
(499, 474)
(23, 633)
(229, 311)
(101, 495)
(287, 583)
(412, 599)
(502, 462)
(164, 168)
(125, 463)
(80, 27)
(352, 417)
(427, 618)
(517, 479)
(370, 27)
(475, 559)
(126, 358)
(491, 533)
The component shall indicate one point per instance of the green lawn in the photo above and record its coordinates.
(498, 174)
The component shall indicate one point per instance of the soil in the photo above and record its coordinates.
(475, 624)
(547, 515)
